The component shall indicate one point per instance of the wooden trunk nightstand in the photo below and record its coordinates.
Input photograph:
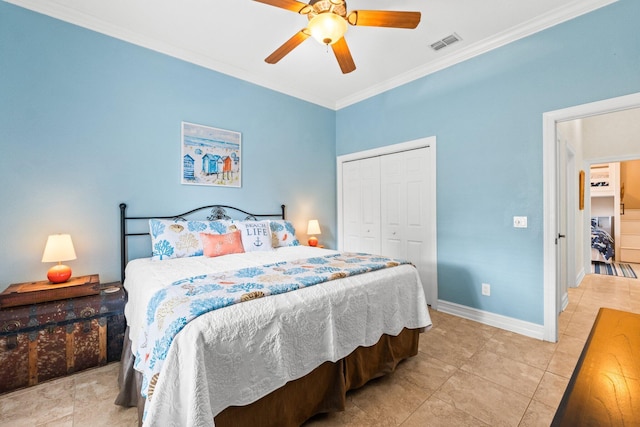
(51, 331)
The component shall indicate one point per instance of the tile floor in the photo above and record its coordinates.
(465, 374)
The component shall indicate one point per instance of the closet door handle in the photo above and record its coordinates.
(561, 236)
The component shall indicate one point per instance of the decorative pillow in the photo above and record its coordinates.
(284, 233)
(174, 238)
(256, 235)
(222, 244)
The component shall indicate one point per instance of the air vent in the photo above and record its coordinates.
(446, 41)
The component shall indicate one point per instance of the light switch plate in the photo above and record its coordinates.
(520, 221)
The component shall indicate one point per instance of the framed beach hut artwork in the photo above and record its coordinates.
(211, 156)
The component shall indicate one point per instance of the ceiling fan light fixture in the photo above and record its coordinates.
(327, 27)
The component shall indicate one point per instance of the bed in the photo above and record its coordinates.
(273, 360)
(602, 243)
(602, 179)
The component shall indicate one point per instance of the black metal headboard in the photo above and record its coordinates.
(217, 212)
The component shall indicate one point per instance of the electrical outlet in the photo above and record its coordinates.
(520, 221)
(486, 289)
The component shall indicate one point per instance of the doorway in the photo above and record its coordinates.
(551, 228)
(566, 208)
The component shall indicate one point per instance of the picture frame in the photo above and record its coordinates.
(210, 156)
(581, 190)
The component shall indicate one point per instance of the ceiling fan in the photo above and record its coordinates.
(328, 21)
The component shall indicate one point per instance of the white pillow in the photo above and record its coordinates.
(256, 235)
(284, 233)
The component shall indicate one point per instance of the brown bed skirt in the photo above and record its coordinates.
(322, 390)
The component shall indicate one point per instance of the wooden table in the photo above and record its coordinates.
(43, 340)
(43, 291)
(604, 389)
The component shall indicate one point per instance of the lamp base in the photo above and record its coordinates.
(313, 241)
(59, 273)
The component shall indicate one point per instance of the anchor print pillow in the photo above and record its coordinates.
(256, 235)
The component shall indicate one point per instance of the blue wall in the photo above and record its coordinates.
(88, 121)
(487, 116)
(98, 120)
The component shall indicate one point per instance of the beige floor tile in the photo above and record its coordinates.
(571, 306)
(91, 387)
(576, 293)
(436, 413)
(425, 372)
(469, 326)
(551, 389)
(562, 364)
(585, 317)
(589, 305)
(39, 404)
(489, 402)
(520, 348)
(537, 415)
(566, 355)
(513, 375)
(563, 321)
(439, 318)
(449, 346)
(390, 399)
(456, 343)
(352, 416)
(66, 421)
(610, 284)
(578, 329)
(595, 301)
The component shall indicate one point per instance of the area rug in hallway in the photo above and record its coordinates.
(613, 269)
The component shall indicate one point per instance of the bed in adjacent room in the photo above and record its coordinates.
(234, 321)
(602, 243)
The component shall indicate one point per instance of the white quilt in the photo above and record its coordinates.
(237, 354)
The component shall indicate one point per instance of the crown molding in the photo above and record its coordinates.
(530, 27)
(94, 24)
(557, 16)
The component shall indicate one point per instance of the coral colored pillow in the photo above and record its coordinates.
(222, 244)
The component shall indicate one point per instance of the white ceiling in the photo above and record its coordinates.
(234, 37)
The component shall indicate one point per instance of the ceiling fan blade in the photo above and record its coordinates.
(287, 47)
(343, 55)
(384, 18)
(292, 5)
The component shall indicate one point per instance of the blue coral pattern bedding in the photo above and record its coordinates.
(172, 307)
(601, 240)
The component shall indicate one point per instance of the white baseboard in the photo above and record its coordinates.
(497, 320)
(581, 275)
(565, 301)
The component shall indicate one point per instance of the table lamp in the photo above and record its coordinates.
(313, 228)
(59, 248)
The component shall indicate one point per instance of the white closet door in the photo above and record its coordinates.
(405, 214)
(361, 205)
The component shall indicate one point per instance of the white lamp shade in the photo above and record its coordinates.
(59, 248)
(327, 27)
(313, 227)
